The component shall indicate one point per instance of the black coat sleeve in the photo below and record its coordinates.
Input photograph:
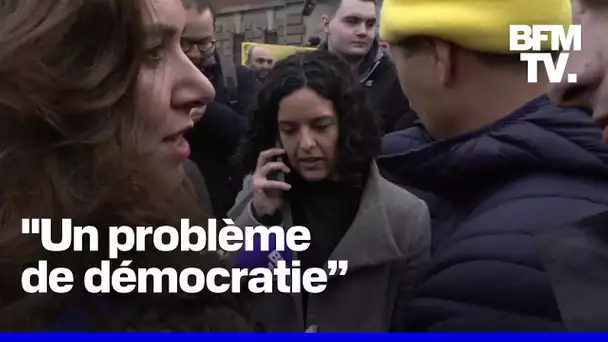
(222, 126)
(248, 86)
(387, 99)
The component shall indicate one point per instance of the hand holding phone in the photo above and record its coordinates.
(269, 182)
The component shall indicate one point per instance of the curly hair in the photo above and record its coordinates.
(68, 149)
(330, 77)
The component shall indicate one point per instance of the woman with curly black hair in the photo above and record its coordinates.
(310, 148)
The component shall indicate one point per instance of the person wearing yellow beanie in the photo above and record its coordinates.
(478, 25)
(464, 37)
(497, 162)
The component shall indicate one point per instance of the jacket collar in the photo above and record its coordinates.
(370, 61)
(369, 240)
(536, 138)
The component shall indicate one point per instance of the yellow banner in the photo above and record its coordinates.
(278, 51)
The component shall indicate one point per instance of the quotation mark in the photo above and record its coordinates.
(337, 265)
(33, 226)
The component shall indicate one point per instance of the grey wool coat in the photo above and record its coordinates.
(386, 247)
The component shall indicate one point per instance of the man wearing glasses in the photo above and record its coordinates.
(216, 136)
(199, 44)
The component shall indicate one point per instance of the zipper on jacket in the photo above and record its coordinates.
(379, 56)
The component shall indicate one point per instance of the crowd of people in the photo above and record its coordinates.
(463, 197)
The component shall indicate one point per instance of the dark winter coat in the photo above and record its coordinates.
(216, 136)
(493, 191)
(378, 75)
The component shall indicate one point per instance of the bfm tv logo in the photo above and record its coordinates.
(526, 38)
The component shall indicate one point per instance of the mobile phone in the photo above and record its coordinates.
(278, 176)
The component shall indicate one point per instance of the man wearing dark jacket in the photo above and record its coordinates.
(499, 163)
(351, 34)
(216, 136)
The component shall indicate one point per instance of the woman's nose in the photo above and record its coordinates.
(307, 140)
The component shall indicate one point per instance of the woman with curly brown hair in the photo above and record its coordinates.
(310, 152)
(94, 101)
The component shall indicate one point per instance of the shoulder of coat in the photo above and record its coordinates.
(407, 214)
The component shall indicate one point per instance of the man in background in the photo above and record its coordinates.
(350, 27)
(234, 84)
(260, 61)
(504, 165)
(216, 136)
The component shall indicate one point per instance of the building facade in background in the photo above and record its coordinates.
(265, 21)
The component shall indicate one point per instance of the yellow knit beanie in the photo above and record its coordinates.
(478, 25)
